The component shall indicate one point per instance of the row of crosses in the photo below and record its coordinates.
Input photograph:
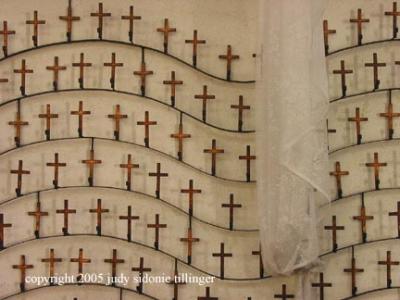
(166, 31)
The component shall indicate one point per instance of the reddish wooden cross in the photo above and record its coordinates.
(353, 270)
(35, 22)
(334, 229)
(173, 82)
(376, 165)
(195, 42)
(359, 20)
(180, 136)
(191, 191)
(5, 33)
(176, 281)
(363, 218)
(56, 164)
(51, 260)
(390, 115)
(207, 296)
(205, 97)
(99, 211)
(66, 211)
(260, 260)
(389, 263)
(129, 219)
(38, 214)
(69, 18)
(18, 124)
(91, 162)
(214, 151)
(231, 205)
(189, 239)
(117, 116)
(23, 71)
(396, 214)
(394, 13)
(141, 270)
(248, 158)
(157, 227)
(358, 119)
(22, 267)
(114, 261)
(343, 72)
(327, 32)
(284, 294)
(81, 65)
(56, 68)
(143, 73)
(338, 173)
(131, 18)
(80, 113)
(321, 285)
(166, 30)
(48, 116)
(2, 226)
(146, 123)
(113, 65)
(240, 107)
(229, 57)
(20, 171)
(80, 260)
(222, 256)
(129, 166)
(375, 65)
(100, 14)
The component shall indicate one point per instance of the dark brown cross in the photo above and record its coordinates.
(99, 211)
(207, 296)
(158, 174)
(22, 268)
(20, 172)
(56, 68)
(3, 80)
(38, 214)
(81, 65)
(376, 165)
(66, 211)
(35, 22)
(334, 229)
(358, 119)
(248, 158)
(129, 218)
(117, 116)
(69, 18)
(353, 270)
(189, 239)
(195, 42)
(394, 13)
(214, 151)
(113, 64)
(375, 65)
(260, 260)
(18, 124)
(222, 256)
(80, 113)
(100, 15)
(166, 30)
(284, 294)
(80, 260)
(173, 84)
(343, 72)
(229, 57)
(131, 17)
(390, 115)
(180, 136)
(205, 97)
(397, 214)
(5, 32)
(327, 32)
(56, 164)
(51, 260)
(48, 116)
(114, 261)
(363, 218)
(389, 263)
(157, 227)
(146, 123)
(359, 20)
(240, 107)
(2, 226)
(338, 173)
(91, 162)
(141, 269)
(321, 285)
(129, 166)
(23, 71)
(190, 191)
(176, 281)
(143, 73)
(231, 205)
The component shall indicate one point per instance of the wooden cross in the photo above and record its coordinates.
(207, 296)
(69, 18)
(229, 57)
(56, 164)
(248, 158)
(231, 205)
(18, 124)
(343, 72)
(35, 22)
(5, 32)
(23, 71)
(375, 65)
(143, 73)
(80, 113)
(100, 15)
(321, 285)
(166, 30)
(222, 256)
(146, 123)
(99, 211)
(176, 281)
(327, 32)
(38, 214)
(376, 165)
(284, 294)
(157, 227)
(338, 173)
(66, 211)
(80, 260)
(189, 239)
(129, 218)
(131, 18)
(261, 265)
(353, 270)
(129, 166)
(20, 171)
(114, 261)
(2, 226)
(141, 269)
(180, 136)
(394, 13)
(397, 214)
(359, 20)
(81, 65)
(56, 68)
(117, 116)
(214, 151)
(195, 41)
(363, 218)
(358, 119)
(240, 107)
(113, 64)
(51, 260)
(334, 229)
(205, 97)
(173, 84)
(190, 191)
(48, 116)
(389, 263)
(91, 162)
(22, 268)
(3, 80)
(158, 174)
(390, 115)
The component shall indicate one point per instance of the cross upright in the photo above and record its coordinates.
(113, 65)
(394, 13)
(38, 214)
(173, 82)
(157, 227)
(176, 281)
(353, 270)
(20, 171)
(180, 136)
(375, 65)
(56, 164)
(114, 261)
(195, 42)
(22, 267)
(389, 263)
(358, 119)
(5, 33)
(146, 123)
(56, 68)
(35, 22)
(229, 57)
(327, 32)
(48, 116)
(190, 191)
(284, 295)
(214, 151)
(143, 73)
(396, 214)
(81, 65)
(240, 107)
(338, 173)
(141, 270)
(343, 72)
(51, 260)
(222, 256)
(260, 261)
(100, 14)
(207, 296)
(376, 165)
(321, 285)
(359, 20)
(334, 229)
(158, 174)
(99, 211)
(166, 30)
(69, 18)
(23, 71)
(189, 239)
(131, 18)
(389, 114)
(363, 218)
(117, 116)
(205, 97)
(231, 205)
(91, 162)
(248, 158)
(129, 217)
(80, 113)
(2, 226)
(18, 124)
(80, 260)
(66, 211)
(129, 166)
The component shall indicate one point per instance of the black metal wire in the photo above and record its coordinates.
(361, 46)
(365, 143)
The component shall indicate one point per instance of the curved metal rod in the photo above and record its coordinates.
(124, 190)
(129, 143)
(125, 44)
(363, 94)
(28, 96)
(372, 292)
(361, 46)
(138, 244)
(365, 143)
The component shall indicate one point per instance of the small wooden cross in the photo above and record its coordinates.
(2, 226)
(18, 125)
(260, 261)
(48, 116)
(157, 227)
(321, 285)
(353, 270)
(376, 165)
(80, 113)
(22, 268)
(38, 214)
(141, 269)
(180, 136)
(195, 41)
(158, 174)
(80, 260)
(5, 33)
(284, 294)
(240, 107)
(207, 296)
(329, 130)
(176, 281)
(334, 229)
(248, 158)
(114, 261)
(99, 211)
(129, 166)
(222, 256)
(397, 214)
(214, 151)
(327, 32)
(100, 15)
(35, 22)
(143, 73)
(390, 115)
(3, 80)
(56, 68)
(91, 162)
(66, 211)
(51, 260)
(23, 71)
(375, 65)
(166, 30)
(131, 18)
(191, 191)
(113, 64)
(394, 13)
(173, 82)
(189, 239)
(56, 164)
(389, 263)
(363, 218)
(129, 219)
(231, 205)
(229, 57)
(359, 20)
(20, 171)
(81, 65)
(343, 72)
(117, 116)
(146, 123)
(205, 97)
(358, 119)
(69, 18)
(338, 173)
